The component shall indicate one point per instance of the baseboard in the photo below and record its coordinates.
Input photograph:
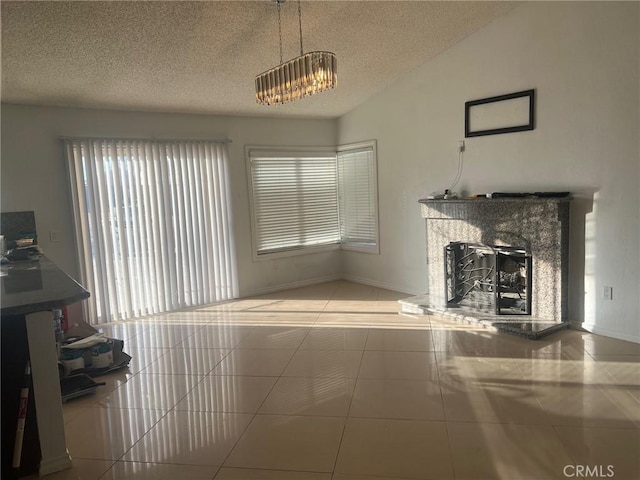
(385, 285)
(53, 465)
(610, 333)
(290, 285)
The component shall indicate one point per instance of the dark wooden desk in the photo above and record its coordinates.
(28, 292)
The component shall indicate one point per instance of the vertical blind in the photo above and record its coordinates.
(152, 225)
(358, 196)
(295, 201)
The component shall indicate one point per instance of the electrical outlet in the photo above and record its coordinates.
(461, 146)
(607, 293)
(53, 236)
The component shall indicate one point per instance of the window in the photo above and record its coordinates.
(358, 196)
(152, 225)
(295, 200)
(307, 200)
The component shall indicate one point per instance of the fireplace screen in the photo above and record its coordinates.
(488, 278)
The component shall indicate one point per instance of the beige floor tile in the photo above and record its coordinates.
(218, 336)
(125, 331)
(399, 365)
(340, 476)
(389, 320)
(286, 442)
(157, 336)
(81, 469)
(194, 316)
(556, 371)
(119, 429)
(274, 337)
(566, 344)
(226, 473)
(321, 291)
(487, 451)
(399, 340)
(401, 399)
(603, 447)
(400, 321)
(599, 345)
(293, 305)
(159, 471)
(70, 411)
(349, 291)
(625, 369)
(495, 350)
(248, 304)
(589, 405)
(142, 357)
(258, 318)
(344, 320)
(391, 295)
(305, 358)
(188, 361)
(358, 306)
(482, 343)
(191, 438)
(454, 341)
(319, 396)
(328, 338)
(402, 448)
(478, 368)
(112, 381)
(324, 363)
(447, 341)
(151, 391)
(254, 362)
(387, 306)
(478, 401)
(222, 393)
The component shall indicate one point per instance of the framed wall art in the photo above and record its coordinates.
(514, 112)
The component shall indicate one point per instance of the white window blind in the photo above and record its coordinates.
(152, 225)
(357, 180)
(294, 199)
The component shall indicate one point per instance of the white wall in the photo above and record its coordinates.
(34, 176)
(582, 58)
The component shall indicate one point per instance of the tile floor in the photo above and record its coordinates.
(331, 383)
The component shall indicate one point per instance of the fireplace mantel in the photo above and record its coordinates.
(540, 224)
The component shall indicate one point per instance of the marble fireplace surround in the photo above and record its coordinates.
(539, 224)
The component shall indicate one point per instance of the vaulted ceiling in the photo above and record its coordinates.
(202, 57)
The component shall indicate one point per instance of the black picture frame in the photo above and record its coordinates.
(526, 113)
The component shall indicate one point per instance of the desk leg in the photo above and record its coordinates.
(46, 390)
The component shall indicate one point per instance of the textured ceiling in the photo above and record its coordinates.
(202, 57)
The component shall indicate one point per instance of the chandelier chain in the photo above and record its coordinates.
(279, 28)
(300, 23)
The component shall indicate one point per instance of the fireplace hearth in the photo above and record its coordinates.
(500, 262)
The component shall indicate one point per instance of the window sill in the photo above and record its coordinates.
(362, 248)
(294, 252)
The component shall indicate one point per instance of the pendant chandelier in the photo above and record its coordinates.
(310, 73)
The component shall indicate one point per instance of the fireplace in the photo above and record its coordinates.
(488, 278)
(502, 262)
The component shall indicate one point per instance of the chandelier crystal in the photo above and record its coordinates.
(309, 73)
(305, 75)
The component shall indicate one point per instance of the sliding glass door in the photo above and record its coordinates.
(152, 225)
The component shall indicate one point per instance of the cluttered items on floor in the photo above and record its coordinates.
(85, 353)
